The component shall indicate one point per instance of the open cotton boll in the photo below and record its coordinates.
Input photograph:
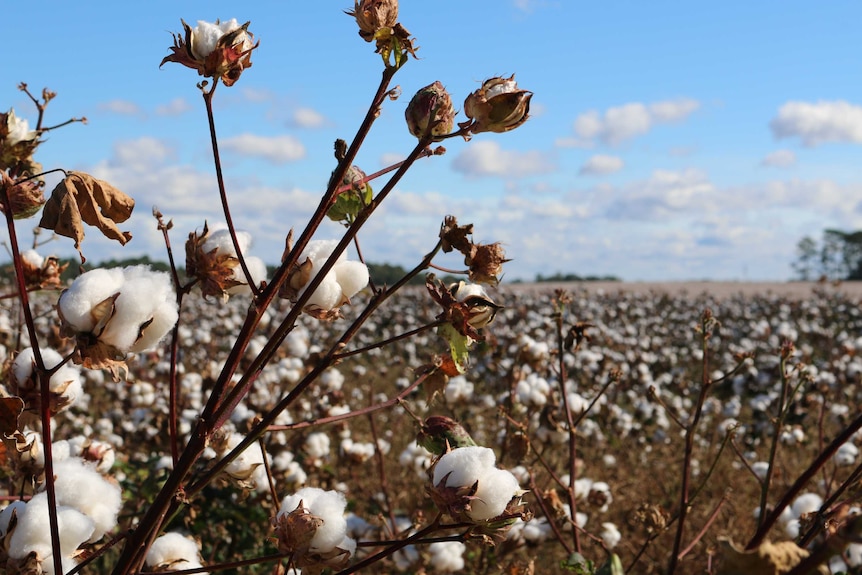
(447, 556)
(244, 465)
(475, 465)
(88, 290)
(79, 486)
(328, 506)
(173, 547)
(17, 508)
(32, 533)
(66, 380)
(464, 465)
(351, 276)
(146, 295)
(33, 258)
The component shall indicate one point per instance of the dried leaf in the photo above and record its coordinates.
(80, 198)
(10, 409)
(767, 559)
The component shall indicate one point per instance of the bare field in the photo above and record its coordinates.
(800, 290)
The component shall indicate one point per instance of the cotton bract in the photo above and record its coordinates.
(221, 242)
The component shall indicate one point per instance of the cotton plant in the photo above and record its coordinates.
(311, 526)
(112, 312)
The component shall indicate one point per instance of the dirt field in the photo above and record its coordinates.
(717, 289)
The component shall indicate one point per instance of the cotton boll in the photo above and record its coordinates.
(244, 465)
(32, 533)
(89, 289)
(65, 381)
(145, 296)
(351, 276)
(806, 503)
(33, 258)
(317, 445)
(496, 487)
(328, 506)
(81, 487)
(846, 455)
(447, 556)
(172, 547)
(610, 535)
(463, 466)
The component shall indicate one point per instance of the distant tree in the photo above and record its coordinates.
(838, 256)
(570, 277)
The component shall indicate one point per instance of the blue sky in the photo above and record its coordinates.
(668, 141)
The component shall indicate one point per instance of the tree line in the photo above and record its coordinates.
(836, 256)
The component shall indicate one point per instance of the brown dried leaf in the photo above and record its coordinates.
(767, 559)
(80, 198)
(10, 409)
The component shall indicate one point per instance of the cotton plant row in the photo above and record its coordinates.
(234, 421)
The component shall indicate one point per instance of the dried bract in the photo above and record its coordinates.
(372, 15)
(26, 197)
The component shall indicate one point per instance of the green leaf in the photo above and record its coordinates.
(613, 566)
(459, 345)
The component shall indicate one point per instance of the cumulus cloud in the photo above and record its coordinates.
(307, 118)
(121, 107)
(779, 159)
(273, 149)
(489, 159)
(175, 107)
(819, 123)
(628, 121)
(665, 194)
(600, 165)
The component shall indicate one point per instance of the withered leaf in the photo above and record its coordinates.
(10, 409)
(767, 559)
(80, 198)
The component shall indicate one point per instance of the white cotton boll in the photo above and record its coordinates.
(610, 535)
(846, 455)
(475, 465)
(328, 294)
(463, 465)
(32, 533)
(33, 258)
(243, 466)
(494, 491)
(458, 389)
(256, 268)
(760, 468)
(447, 556)
(172, 547)
(332, 379)
(791, 528)
(89, 289)
(145, 296)
(317, 444)
(327, 505)
(352, 276)
(806, 503)
(81, 487)
(65, 381)
(854, 554)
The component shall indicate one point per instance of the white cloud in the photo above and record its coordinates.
(628, 121)
(175, 107)
(820, 123)
(307, 118)
(599, 165)
(779, 159)
(121, 107)
(390, 158)
(489, 159)
(141, 152)
(273, 149)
